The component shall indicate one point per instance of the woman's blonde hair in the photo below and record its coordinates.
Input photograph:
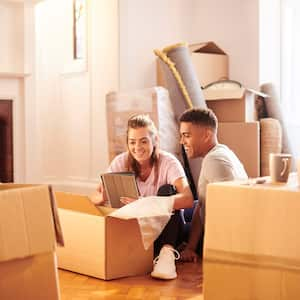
(143, 121)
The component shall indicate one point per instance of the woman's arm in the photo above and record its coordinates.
(184, 196)
(99, 197)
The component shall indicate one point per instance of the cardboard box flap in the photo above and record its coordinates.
(26, 221)
(57, 226)
(226, 93)
(80, 203)
(13, 186)
(207, 47)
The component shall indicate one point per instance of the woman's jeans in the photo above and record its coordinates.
(172, 234)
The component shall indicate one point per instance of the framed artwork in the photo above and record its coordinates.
(79, 29)
(76, 54)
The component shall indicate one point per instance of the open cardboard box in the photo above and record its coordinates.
(210, 61)
(233, 105)
(97, 244)
(29, 228)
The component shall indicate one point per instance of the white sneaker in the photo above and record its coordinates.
(164, 263)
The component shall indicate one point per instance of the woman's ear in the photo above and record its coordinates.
(155, 141)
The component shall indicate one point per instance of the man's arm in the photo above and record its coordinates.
(184, 196)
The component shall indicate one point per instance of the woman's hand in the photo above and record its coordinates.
(127, 200)
(99, 197)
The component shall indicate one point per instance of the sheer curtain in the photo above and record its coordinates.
(290, 69)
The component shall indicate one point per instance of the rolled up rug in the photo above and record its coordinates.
(185, 92)
(180, 78)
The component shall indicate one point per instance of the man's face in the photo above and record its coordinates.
(194, 139)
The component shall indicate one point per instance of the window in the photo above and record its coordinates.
(290, 69)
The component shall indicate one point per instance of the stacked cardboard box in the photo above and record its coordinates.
(234, 106)
(252, 248)
(102, 246)
(238, 125)
(155, 102)
(28, 225)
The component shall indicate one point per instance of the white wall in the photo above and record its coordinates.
(146, 25)
(70, 109)
(17, 80)
(269, 42)
(12, 38)
(71, 118)
(65, 127)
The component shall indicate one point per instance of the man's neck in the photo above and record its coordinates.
(211, 146)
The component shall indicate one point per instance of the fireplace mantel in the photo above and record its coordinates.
(13, 75)
(23, 1)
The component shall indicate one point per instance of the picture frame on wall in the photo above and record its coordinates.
(76, 60)
(79, 29)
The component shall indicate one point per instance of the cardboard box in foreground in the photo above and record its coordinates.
(28, 219)
(253, 223)
(243, 139)
(97, 244)
(252, 245)
(229, 281)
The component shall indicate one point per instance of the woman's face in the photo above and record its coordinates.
(140, 144)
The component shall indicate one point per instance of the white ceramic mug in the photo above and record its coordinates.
(280, 166)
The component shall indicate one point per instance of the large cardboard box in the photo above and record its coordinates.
(243, 139)
(252, 238)
(210, 61)
(232, 105)
(258, 223)
(155, 102)
(97, 244)
(28, 226)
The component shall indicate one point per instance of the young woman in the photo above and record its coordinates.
(155, 170)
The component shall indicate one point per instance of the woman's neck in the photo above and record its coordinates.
(145, 170)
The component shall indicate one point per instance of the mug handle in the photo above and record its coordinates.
(285, 164)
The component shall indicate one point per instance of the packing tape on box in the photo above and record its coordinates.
(152, 213)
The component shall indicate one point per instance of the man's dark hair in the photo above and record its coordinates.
(200, 116)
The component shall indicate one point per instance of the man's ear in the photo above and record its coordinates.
(208, 134)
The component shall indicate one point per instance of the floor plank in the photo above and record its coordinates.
(188, 285)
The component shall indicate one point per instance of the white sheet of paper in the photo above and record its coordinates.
(152, 213)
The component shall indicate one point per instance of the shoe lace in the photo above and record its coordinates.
(176, 255)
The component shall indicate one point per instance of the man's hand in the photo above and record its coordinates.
(188, 255)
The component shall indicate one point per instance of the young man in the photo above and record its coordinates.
(198, 131)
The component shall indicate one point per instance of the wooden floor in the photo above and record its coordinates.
(188, 285)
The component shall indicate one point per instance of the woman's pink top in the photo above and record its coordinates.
(169, 169)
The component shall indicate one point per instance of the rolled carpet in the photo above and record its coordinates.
(180, 78)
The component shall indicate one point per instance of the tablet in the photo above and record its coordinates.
(119, 184)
